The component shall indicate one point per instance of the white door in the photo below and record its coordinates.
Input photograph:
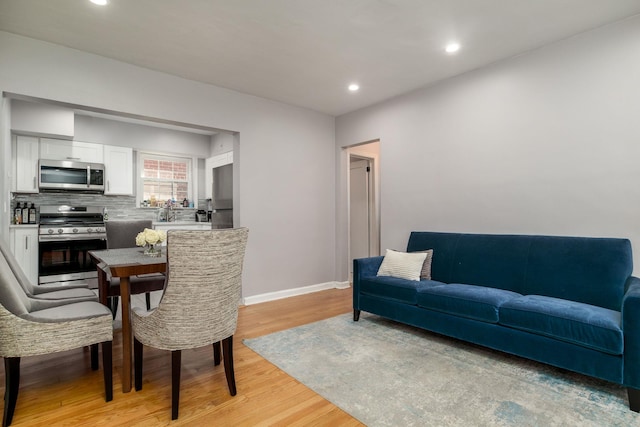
(359, 208)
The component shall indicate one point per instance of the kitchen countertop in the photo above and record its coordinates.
(23, 225)
(178, 223)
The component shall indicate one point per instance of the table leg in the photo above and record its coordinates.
(127, 336)
(102, 285)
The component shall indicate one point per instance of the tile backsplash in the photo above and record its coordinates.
(118, 207)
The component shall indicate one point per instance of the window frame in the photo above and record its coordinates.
(140, 158)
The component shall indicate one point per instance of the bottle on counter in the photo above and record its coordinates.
(32, 214)
(105, 215)
(17, 214)
(25, 214)
(185, 203)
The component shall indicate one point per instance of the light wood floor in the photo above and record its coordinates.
(61, 389)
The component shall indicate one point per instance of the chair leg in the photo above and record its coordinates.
(147, 297)
(94, 357)
(227, 354)
(137, 363)
(175, 382)
(107, 368)
(216, 353)
(113, 305)
(12, 383)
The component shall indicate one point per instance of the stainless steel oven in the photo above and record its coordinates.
(65, 236)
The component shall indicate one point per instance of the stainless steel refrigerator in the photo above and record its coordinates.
(221, 209)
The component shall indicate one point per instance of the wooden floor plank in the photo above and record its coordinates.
(61, 389)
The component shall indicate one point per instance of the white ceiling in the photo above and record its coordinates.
(306, 52)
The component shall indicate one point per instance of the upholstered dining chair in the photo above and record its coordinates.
(122, 234)
(199, 306)
(77, 293)
(30, 326)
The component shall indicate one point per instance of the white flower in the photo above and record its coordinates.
(150, 237)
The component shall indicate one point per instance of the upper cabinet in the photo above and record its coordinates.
(27, 150)
(118, 167)
(25, 164)
(33, 118)
(58, 149)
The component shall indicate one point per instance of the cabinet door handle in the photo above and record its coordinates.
(73, 158)
(26, 243)
(34, 182)
(108, 185)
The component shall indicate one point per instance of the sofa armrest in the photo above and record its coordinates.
(366, 267)
(363, 267)
(631, 331)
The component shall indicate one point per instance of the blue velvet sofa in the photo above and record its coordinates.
(570, 302)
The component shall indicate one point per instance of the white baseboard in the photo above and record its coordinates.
(272, 296)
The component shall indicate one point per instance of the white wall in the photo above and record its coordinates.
(140, 137)
(544, 143)
(41, 119)
(5, 167)
(287, 173)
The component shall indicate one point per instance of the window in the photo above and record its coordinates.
(164, 178)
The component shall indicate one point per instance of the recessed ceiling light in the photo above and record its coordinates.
(99, 2)
(452, 47)
(353, 87)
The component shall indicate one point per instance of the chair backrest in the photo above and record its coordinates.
(22, 278)
(12, 295)
(122, 234)
(202, 294)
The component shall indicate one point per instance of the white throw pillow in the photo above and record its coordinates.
(402, 264)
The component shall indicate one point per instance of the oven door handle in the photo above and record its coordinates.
(68, 237)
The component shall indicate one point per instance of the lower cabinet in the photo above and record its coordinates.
(24, 245)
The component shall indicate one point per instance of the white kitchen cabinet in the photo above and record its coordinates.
(59, 149)
(24, 245)
(25, 164)
(118, 166)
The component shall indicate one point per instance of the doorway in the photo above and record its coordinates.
(364, 224)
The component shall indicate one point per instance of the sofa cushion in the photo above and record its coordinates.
(402, 265)
(425, 273)
(470, 301)
(584, 269)
(578, 323)
(394, 288)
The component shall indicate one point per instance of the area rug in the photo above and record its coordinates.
(387, 374)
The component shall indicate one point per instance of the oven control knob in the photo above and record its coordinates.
(89, 230)
(50, 231)
(60, 231)
(75, 230)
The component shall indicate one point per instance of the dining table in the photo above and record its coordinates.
(125, 263)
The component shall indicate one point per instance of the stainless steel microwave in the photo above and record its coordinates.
(60, 175)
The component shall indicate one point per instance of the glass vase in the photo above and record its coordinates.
(152, 250)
